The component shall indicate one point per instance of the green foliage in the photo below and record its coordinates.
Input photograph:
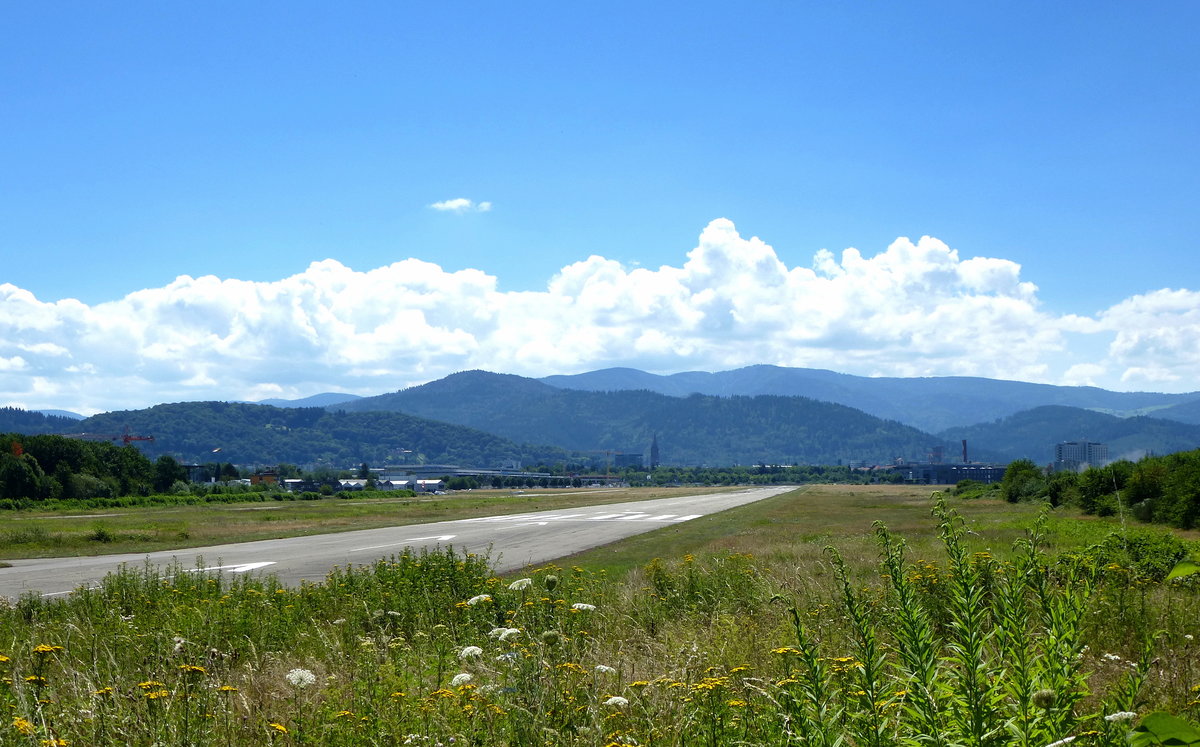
(46, 467)
(1148, 553)
(1164, 729)
(1023, 481)
(1161, 489)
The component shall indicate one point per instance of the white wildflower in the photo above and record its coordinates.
(470, 652)
(510, 633)
(521, 584)
(1061, 742)
(616, 701)
(460, 679)
(582, 607)
(1187, 636)
(479, 599)
(605, 669)
(508, 657)
(1110, 657)
(300, 678)
(1121, 716)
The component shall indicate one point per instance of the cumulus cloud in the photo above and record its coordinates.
(914, 309)
(461, 205)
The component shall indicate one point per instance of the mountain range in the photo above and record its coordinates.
(931, 404)
(749, 415)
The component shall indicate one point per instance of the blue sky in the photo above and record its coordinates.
(146, 141)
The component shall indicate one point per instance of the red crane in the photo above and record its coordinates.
(125, 438)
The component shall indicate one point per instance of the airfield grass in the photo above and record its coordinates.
(961, 623)
(34, 534)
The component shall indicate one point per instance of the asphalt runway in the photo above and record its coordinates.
(513, 541)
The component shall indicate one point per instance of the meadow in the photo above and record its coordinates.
(852, 615)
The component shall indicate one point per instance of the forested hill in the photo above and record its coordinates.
(692, 430)
(249, 434)
(929, 403)
(16, 420)
(1032, 434)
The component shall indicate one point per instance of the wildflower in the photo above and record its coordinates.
(157, 694)
(617, 701)
(227, 689)
(583, 607)
(470, 652)
(300, 678)
(55, 742)
(479, 599)
(461, 679)
(1186, 637)
(736, 703)
(604, 669)
(104, 691)
(1121, 716)
(34, 679)
(192, 669)
(4, 658)
(278, 727)
(43, 648)
(1110, 657)
(25, 726)
(521, 584)
(149, 684)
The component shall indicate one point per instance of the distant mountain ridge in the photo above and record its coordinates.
(931, 404)
(1032, 434)
(325, 399)
(698, 429)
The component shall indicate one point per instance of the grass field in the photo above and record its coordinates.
(983, 624)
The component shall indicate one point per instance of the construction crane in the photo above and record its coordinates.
(125, 438)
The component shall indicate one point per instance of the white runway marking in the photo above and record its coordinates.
(539, 520)
(238, 568)
(439, 538)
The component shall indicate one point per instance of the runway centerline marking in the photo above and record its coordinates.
(439, 538)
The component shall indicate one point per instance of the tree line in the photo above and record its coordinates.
(1157, 489)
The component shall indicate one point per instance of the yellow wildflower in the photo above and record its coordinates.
(23, 725)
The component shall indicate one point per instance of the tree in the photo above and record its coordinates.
(1023, 481)
(167, 472)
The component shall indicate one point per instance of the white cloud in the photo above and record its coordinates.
(461, 205)
(914, 309)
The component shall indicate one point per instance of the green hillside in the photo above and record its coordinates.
(1032, 434)
(249, 434)
(691, 430)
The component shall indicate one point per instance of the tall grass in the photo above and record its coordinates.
(730, 649)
